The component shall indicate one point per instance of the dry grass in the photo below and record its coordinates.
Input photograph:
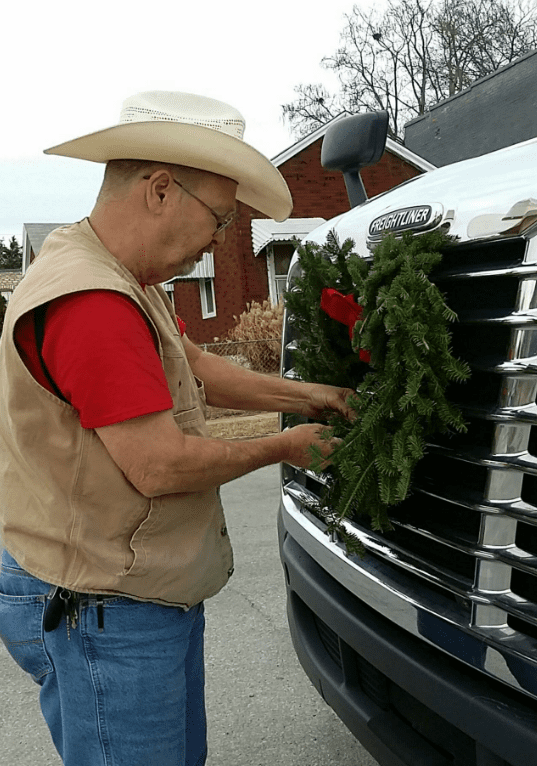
(244, 426)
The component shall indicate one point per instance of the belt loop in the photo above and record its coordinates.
(100, 613)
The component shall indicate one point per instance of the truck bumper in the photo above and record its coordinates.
(408, 703)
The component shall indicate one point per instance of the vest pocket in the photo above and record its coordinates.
(202, 397)
(191, 422)
(136, 544)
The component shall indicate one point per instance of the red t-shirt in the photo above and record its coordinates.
(100, 353)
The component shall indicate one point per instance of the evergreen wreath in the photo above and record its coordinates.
(403, 327)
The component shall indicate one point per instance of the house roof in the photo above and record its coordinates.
(37, 233)
(9, 279)
(265, 230)
(493, 112)
(204, 269)
(476, 85)
(394, 147)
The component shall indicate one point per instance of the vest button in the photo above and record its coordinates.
(223, 531)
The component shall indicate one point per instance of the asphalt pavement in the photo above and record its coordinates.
(262, 709)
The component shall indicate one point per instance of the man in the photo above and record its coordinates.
(111, 520)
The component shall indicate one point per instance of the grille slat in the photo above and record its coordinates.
(443, 535)
(416, 565)
(480, 456)
(518, 607)
(517, 509)
(473, 317)
(526, 415)
(524, 270)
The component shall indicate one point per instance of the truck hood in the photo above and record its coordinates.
(483, 197)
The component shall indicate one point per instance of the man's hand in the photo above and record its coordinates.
(301, 438)
(320, 401)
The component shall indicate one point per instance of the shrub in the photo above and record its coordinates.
(259, 330)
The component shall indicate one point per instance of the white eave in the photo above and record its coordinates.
(265, 230)
(394, 147)
(203, 270)
(303, 143)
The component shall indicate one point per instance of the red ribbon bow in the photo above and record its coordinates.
(344, 309)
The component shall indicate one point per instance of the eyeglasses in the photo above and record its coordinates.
(221, 223)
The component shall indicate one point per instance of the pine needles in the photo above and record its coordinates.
(400, 397)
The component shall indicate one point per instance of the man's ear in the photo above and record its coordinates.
(157, 191)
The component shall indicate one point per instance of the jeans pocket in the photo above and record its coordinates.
(21, 621)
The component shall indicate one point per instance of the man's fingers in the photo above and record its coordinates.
(328, 399)
(302, 438)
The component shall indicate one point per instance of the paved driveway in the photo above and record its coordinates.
(262, 709)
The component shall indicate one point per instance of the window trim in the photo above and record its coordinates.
(272, 276)
(205, 313)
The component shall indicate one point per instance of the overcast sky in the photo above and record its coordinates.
(67, 67)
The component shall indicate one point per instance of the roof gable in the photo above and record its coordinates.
(38, 232)
(394, 147)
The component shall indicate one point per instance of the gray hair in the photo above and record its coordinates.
(119, 175)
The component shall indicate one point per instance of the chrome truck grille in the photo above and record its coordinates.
(459, 568)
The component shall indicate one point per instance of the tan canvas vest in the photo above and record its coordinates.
(68, 514)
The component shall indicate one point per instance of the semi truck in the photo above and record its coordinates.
(426, 645)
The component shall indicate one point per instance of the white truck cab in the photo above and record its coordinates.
(427, 647)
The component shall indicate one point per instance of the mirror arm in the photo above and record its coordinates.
(355, 187)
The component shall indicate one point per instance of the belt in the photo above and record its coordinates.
(64, 602)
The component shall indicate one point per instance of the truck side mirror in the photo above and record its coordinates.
(353, 143)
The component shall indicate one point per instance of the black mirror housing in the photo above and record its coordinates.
(354, 143)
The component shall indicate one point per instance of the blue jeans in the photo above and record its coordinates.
(131, 695)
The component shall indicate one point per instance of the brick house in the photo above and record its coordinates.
(253, 262)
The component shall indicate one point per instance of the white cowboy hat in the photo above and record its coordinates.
(184, 129)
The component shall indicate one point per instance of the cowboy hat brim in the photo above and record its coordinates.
(260, 183)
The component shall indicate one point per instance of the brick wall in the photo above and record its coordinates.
(240, 277)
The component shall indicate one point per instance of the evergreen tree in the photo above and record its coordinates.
(10, 255)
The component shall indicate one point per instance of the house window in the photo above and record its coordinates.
(208, 301)
(278, 261)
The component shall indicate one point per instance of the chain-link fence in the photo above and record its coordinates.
(259, 355)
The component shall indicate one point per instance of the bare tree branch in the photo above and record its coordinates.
(414, 54)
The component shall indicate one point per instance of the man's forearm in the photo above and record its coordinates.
(233, 386)
(159, 459)
(199, 463)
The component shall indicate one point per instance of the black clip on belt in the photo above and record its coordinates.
(57, 607)
(64, 602)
